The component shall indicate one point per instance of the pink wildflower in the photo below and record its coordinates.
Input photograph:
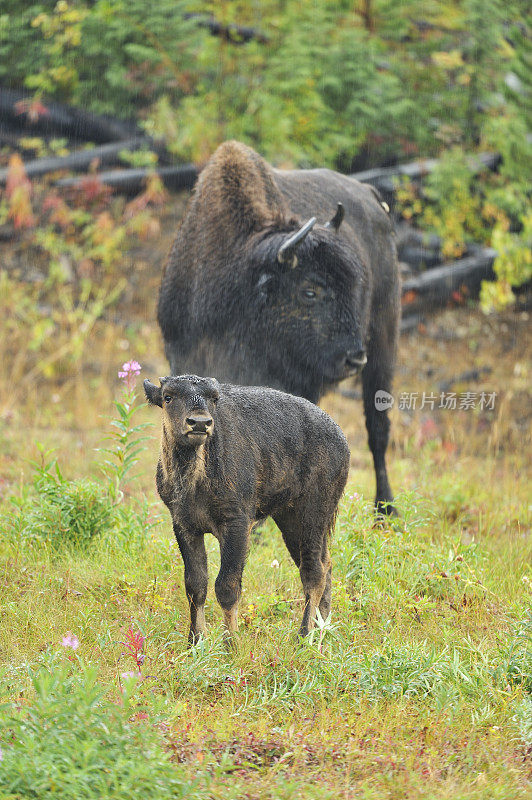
(354, 496)
(132, 674)
(134, 644)
(71, 641)
(129, 372)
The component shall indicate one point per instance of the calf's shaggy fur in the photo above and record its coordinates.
(232, 456)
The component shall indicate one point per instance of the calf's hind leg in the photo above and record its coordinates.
(306, 540)
(325, 602)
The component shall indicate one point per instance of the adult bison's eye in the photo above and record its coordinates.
(309, 294)
(168, 398)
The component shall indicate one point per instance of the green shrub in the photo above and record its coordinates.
(60, 512)
(515, 666)
(327, 80)
(513, 265)
(523, 722)
(70, 741)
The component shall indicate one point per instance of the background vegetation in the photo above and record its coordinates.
(320, 81)
(329, 83)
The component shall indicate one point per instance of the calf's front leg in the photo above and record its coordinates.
(192, 547)
(234, 544)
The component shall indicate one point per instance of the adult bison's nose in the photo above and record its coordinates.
(199, 423)
(355, 359)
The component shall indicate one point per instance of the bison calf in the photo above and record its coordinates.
(232, 456)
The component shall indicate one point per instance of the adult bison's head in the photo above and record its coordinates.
(254, 294)
(313, 301)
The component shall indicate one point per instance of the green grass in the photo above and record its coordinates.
(418, 687)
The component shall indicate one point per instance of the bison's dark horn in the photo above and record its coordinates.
(287, 251)
(337, 220)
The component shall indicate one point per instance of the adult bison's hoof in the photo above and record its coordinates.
(384, 509)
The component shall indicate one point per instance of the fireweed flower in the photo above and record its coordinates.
(128, 374)
(131, 674)
(71, 641)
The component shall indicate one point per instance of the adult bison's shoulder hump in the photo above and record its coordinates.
(319, 190)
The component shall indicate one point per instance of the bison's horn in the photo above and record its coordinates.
(287, 251)
(337, 220)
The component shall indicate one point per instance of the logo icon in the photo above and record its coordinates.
(383, 400)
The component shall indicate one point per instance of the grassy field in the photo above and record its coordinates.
(418, 687)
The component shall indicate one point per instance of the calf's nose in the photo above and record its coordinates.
(199, 424)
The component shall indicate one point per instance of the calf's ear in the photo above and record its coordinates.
(214, 389)
(154, 394)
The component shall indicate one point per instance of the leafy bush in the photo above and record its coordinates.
(491, 209)
(515, 667)
(61, 512)
(513, 265)
(70, 741)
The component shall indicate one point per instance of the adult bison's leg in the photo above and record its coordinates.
(192, 547)
(377, 376)
(234, 544)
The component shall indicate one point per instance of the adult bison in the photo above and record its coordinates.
(258, 290)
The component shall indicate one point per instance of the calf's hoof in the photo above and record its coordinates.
(231, 641)
(194, 638)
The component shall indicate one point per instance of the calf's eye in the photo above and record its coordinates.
(168, 398)
(309, 294)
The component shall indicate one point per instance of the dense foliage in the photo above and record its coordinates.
(331, 83)
(320, 82)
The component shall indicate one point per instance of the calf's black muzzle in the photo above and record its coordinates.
(199, 424)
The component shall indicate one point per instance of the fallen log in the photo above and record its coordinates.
(17, 140)
(467, 376)
(422, 167)
(435, 288)
(410, 323)
(50, 118)
(236, 34)
(105, 155)
(420, 250)
(420, 257)
(132, 181)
